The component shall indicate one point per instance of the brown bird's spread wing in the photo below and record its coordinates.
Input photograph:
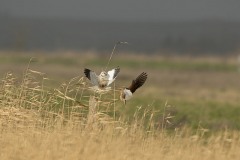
(138, 82)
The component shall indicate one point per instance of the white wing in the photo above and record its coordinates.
(112, 74)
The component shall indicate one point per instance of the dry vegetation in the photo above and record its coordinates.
(42, 119)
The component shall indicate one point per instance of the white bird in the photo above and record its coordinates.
(104, 79)
(126, 93)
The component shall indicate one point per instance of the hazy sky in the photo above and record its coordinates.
(125, 9)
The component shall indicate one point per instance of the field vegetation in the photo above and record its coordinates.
(187, 109)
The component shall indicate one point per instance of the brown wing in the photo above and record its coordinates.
(138, 82)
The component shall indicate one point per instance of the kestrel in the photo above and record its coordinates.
(126, 93)
(104, 79)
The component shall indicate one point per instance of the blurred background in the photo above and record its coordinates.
(181, 26)
(189, 48)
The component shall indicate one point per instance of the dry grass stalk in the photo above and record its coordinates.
(41, 123)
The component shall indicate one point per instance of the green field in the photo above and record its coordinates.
(200, 90)
(187, 109)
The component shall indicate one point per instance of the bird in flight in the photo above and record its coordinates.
(126, 93)
(104, 79)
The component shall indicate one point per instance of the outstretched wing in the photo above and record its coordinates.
(91, 75)
(112, 74)
(138, 82)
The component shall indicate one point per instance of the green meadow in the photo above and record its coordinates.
(194, 91)
(187, 109)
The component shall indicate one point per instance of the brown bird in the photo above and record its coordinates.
(126, 93)
(104, 79)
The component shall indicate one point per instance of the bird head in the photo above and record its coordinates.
(103, 74)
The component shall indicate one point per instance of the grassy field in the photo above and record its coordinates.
(187, 109)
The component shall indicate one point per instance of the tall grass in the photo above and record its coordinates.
(72, 122)
(72, 102)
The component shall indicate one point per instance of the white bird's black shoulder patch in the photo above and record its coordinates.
(91, 75)
(87, 73)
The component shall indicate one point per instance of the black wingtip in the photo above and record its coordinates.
(117, 70)
(87, 73)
